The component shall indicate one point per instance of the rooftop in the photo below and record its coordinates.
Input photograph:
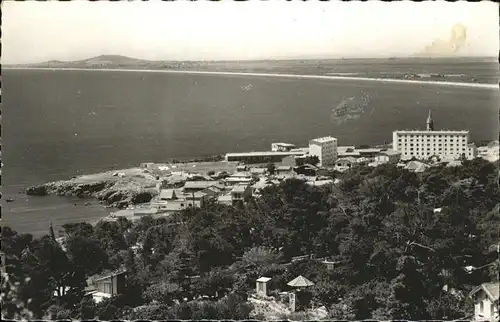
(258, 170)
(199, 184)
(167, 194)
(261, 184)
(369, 150)
(241, 175)
(304, 150)
(416, 166)
(343, 148)
(239, 189)
(319, 182)
(390, 152)
(225, 198)
(491, 289)
(238, 179)
(300, 281)
(348, 159)
(107, 274)
(323, 139)
(196, 195)
(431, 132)
(263, 279)
(264, 153)
(285, 144)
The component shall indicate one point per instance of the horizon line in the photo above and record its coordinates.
(415, 56)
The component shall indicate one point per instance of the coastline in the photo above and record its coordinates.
(276, 75)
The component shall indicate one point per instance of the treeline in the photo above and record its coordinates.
(394, 253)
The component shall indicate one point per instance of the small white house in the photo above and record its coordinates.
(388, 156)
(485, 298)
(261, 286)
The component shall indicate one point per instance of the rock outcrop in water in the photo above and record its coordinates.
(37, 191)
(132, 186)
(350, 108)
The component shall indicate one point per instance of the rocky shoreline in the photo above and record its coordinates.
(117, 189)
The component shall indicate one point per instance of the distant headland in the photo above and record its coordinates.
(120, 61)
(390, 68)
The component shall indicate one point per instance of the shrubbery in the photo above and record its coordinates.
(378, 225)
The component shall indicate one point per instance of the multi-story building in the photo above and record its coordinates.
(325, 149)
(424, 144)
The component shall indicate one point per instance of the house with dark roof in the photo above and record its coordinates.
(194, 186)
(213, 191)
(106, 284)
(306, 169)
(485, 298)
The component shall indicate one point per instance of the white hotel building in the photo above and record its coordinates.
(429, 143)
(325, 149)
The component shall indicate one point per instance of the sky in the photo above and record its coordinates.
(227, 30)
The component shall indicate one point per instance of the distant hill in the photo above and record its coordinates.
(105, 61)
(113, 60)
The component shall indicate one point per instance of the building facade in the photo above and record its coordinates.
(444, 144)
(485, 299)
(325, 149)
(388, 156)
(261, 157)
(106, 285)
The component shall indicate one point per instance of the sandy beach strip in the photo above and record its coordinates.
(294, 76)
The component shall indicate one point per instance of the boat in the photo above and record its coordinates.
(9, 200)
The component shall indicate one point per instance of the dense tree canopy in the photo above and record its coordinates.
(393, 251)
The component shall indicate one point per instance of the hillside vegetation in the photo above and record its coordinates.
(394, 253)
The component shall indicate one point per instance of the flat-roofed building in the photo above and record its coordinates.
(261, 157)
(489, 152)
(233, 181)
(388, 156)
(325, 149)
(424, 144)
(282, 147)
